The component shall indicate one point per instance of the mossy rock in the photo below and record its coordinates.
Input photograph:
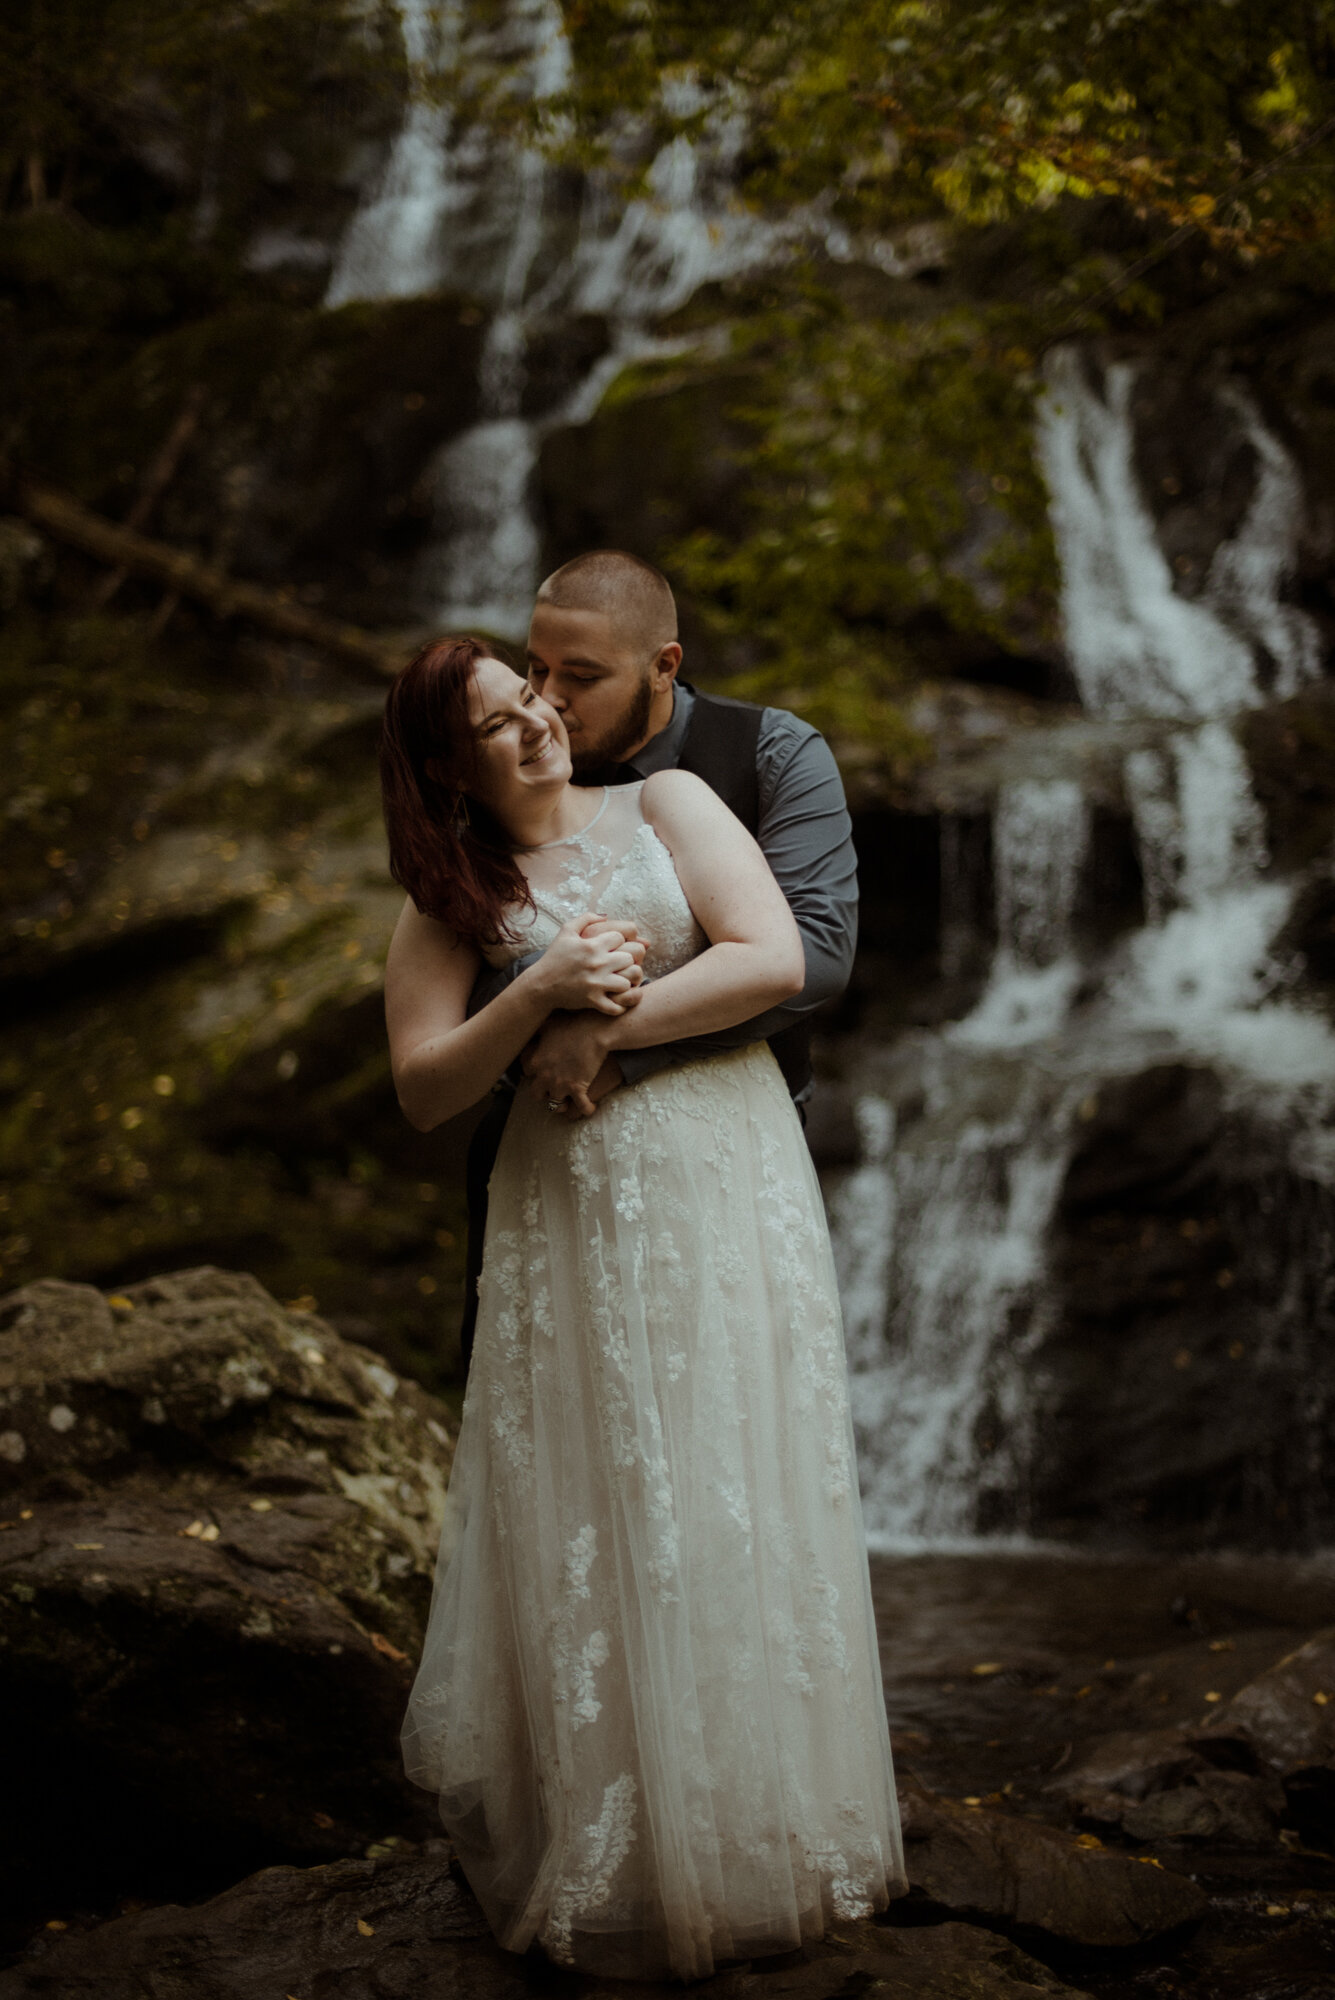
(222, 1522)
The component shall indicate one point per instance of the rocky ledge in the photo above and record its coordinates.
(219, 1524)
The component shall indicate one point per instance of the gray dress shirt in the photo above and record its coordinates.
(805, 835)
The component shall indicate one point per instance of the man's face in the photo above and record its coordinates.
(602, 687)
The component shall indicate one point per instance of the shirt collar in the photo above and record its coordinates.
(661, 752)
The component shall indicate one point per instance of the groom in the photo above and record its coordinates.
(603, 650)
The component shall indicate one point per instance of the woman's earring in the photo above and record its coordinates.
(459, 818)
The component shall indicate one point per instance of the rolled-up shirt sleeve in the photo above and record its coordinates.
(806, 836)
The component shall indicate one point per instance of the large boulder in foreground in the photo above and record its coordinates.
(405, 1928)
(998, 1868)
(219, 1525)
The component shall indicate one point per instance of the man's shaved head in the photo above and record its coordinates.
(630, 593)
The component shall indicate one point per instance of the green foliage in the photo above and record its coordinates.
(979, 108)
(893, 488)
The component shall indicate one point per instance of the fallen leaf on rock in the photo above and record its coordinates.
(209, 1534)
(322, 1820)
(57, 1924)
(261, 1506)
(1088, 1840)
(367, 1930)
(987, 1667)
(119, 1303)
(86, 1546)
(382, 1645)
(195, 1529)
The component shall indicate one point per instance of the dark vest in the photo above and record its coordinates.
(721, 743)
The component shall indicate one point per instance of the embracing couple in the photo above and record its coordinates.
(649, 1699)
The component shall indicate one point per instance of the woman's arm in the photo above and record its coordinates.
(442, 1061)
(755, 957)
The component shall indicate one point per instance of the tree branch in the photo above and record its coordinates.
(69, 521)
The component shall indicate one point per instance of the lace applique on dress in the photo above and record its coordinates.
(618, 866)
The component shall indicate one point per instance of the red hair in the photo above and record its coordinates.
(461, 871)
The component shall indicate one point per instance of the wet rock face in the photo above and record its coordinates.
(219, 1527)
(1189, 1380)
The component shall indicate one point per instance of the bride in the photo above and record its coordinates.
(649, 1698)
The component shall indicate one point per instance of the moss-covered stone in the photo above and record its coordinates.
(221, 1525)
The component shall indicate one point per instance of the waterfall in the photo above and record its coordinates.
(394, 237)
(1039, 833)
(941, 1233)
(939, 1237)
(456, 207)
(944, 1240)
(1136, 646)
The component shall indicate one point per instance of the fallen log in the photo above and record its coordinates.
(69, 521)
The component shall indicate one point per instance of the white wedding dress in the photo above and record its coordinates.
(650, 1697)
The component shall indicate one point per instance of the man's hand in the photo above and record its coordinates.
(569, 1060)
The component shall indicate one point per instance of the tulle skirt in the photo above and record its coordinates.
(650, 1698)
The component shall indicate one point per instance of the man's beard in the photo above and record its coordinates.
(621, 739)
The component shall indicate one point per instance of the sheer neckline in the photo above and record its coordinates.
(542, 845)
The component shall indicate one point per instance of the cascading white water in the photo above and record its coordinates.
(941, 1236)
(1039, 833)
(394, 236)
(1203, 968)
(1136, 646)
(942, 1243)
(455, 207)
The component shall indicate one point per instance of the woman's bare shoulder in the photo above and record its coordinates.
(672, 798)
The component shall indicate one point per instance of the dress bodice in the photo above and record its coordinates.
(617, 866)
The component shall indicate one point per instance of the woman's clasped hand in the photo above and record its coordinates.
(593, 961)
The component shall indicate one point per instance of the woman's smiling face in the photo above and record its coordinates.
(521, 744)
